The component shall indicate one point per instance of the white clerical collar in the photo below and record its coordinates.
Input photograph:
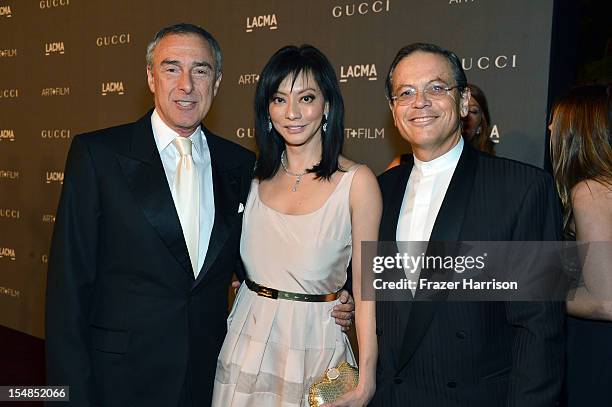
(444, 162)
(164, 135)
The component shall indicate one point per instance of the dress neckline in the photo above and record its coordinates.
(320, 208)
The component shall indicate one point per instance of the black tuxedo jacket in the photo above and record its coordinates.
(473, 353)
(126, 322)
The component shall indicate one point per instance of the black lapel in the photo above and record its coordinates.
(226, 189)
(449, 221)
(447, 228)
(145, 175)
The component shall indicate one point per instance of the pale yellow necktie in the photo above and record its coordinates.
(187, 198)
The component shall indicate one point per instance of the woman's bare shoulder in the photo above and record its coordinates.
(592, 210)
(346, 163)
(589, 192)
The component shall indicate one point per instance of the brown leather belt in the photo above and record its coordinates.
(284, 295)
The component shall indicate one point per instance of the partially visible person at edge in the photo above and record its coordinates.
(146, 241)
(309, 209)
(581, 152)
(475, 126)
(461, 353)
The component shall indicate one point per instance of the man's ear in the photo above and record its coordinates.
(392, 112)
(217, 83)
(150, 79)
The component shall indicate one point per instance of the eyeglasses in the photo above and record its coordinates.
(433, 91)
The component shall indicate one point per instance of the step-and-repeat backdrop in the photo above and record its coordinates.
(70, 66)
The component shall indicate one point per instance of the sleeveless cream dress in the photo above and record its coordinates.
(275, 349)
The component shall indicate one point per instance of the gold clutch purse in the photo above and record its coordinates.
(335, 382)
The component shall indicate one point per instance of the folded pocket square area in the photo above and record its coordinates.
(241, 208)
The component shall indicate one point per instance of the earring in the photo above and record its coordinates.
(269, 125)
(324, 120)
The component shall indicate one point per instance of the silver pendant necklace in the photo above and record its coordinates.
(298, 176)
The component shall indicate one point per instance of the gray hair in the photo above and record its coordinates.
(185, 28)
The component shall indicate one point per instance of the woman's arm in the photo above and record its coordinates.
(366, 209)
(592, 210)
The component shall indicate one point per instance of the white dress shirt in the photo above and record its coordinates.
(201, 158)
(423, 198)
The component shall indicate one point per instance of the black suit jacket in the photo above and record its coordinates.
(474, 353)
(126, 322)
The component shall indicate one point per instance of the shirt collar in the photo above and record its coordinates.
(446, 161)
(164, 135)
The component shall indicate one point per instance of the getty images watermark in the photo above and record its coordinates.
(412, 265)
(474, 271)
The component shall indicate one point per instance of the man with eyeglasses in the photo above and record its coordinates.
(437, 353)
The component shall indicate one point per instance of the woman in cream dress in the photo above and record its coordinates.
(308, 211)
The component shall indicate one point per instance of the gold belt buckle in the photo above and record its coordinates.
(267, 292)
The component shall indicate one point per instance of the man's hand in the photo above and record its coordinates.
(344, 313)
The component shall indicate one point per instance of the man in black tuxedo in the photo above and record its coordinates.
(436, 353)
(146, 240)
